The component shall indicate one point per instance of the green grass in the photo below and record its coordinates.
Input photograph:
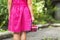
(1, 30)
(50, 38)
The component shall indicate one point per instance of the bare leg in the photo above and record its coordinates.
(23, 36)
(16, 36)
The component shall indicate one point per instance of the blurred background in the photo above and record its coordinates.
(45, 12)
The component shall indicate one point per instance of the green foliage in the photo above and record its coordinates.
(49, 10)
(39, 12)
(43, 11)
(3, 13)
(50, 38)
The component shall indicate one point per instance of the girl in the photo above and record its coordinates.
(20, 18)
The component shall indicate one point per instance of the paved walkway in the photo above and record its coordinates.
(53, 32)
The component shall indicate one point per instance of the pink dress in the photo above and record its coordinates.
(20, 17)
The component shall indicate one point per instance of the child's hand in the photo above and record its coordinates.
(32, 19)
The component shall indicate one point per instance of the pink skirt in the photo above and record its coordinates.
(19, 19)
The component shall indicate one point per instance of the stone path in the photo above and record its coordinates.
(53, 32)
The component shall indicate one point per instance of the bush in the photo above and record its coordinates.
(39, 12)
(3, 14)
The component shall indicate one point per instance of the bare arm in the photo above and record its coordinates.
(31, 9)
(9, 5)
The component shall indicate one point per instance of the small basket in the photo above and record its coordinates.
(34, 28)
